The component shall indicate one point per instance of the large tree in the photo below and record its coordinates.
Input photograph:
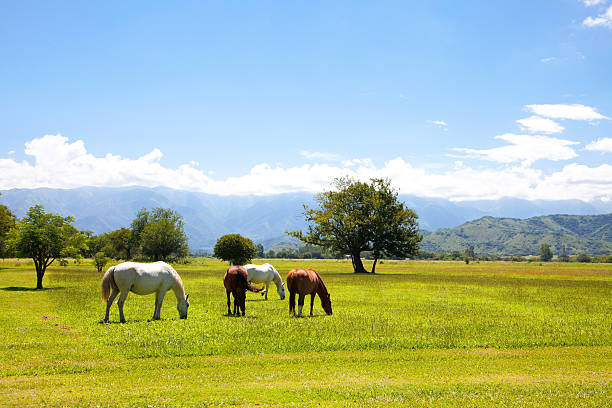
(358, 216)
(45, 237)
(8, 221)
(160, 233)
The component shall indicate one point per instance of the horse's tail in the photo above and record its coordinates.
(108, 282)
(248, 285)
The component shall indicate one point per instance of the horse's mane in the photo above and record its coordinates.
(321, 284)
(178, 279)
(277, 276)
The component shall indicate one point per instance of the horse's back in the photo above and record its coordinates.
(259, 273)
(234, 277)
(302, 280)
(144, 278)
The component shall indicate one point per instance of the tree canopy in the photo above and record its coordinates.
(359, 216)
(235, 248)
(159, 234)
(545, 253)
(45, 237)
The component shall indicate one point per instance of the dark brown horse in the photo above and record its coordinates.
(236, 282)
(307, 282)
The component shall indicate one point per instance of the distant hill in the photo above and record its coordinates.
(261, 218)
(590, 234)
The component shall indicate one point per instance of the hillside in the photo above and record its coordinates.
(266, 218)
(591, 234)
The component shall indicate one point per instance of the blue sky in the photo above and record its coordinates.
(256, 97)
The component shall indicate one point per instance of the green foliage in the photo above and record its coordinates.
(235, 249)
(159, 234)
(545, 253)
(45, 237)
(8, 221)
(358, 217)
(583, 258)
(100, 260)
(492, 236)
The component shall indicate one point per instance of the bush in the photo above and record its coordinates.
(583, 258)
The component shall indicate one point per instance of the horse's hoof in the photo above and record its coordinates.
(122, 321)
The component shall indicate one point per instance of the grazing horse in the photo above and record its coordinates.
(307, 282)
(236, 282)
(265, 274)
(143, 279)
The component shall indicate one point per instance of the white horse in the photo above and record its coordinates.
(143, 279)
(264, 274)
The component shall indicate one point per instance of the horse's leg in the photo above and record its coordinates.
(156, 303)
(229, 302)
(109, 303)
(159, 299)
(235, 302)
(243, 302)
(267, 287)
(120, 303)
(291, 302)
(311, 302)
(300, 303)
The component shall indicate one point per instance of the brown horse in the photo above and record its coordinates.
(236, 282)
(307, 282)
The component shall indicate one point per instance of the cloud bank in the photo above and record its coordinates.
(59, 163)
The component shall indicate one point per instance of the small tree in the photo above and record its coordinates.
(359, 217)
(564, 257)
(8, 221)
(545, 253)
(100, 261)
(469, 252)
(235, 249)
(45, 237)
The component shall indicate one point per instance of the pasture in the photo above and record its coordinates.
(422, 334)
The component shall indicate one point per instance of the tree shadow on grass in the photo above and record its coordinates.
(25, 289)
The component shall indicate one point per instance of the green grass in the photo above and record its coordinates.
(434, 334)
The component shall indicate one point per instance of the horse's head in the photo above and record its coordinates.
(326, 303)
(182, 307)
(281, 290)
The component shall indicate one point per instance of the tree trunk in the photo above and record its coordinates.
(357, 264)
(39, 277)
(374, 265)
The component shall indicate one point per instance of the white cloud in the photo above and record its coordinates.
(548, 59)
(525, 149)
(537, 124)
(11, 152)
(320, 155)
(604, 19)
(560, 111)
(601, 145)
(367, 162)
(593, 2)
(439, 123)
(61, 164)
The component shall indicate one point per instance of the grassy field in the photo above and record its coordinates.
(422, 334)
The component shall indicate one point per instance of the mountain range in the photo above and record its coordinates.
(589, 234)
(264, 219)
